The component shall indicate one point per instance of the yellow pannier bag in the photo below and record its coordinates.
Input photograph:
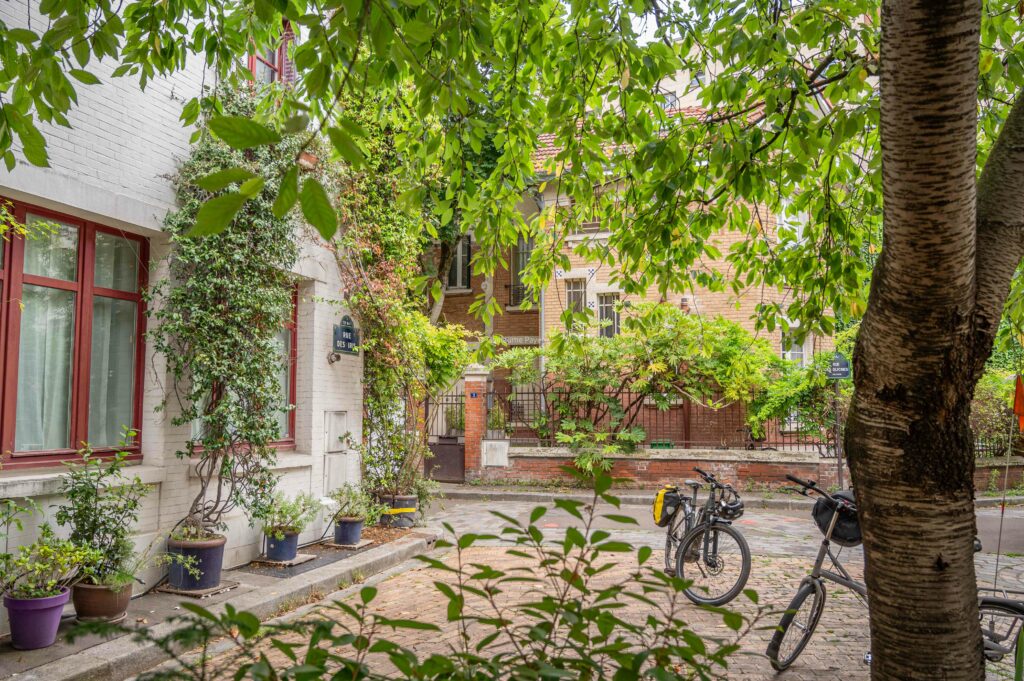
(666, 501)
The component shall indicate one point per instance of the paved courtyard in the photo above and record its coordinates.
(782, 543)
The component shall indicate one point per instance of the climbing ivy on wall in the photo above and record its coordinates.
(218, 316)
(378, 248)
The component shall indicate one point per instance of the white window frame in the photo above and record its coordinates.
(608, 302)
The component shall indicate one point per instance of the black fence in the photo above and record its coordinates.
(532, 417)
(446, 415)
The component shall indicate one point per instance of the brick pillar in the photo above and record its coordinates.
(475, 392)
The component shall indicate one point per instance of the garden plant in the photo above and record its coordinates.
(283, 518)
(556, 615)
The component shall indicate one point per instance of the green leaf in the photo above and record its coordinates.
(239, 132)
(296, 123)
(84, 77)
(216, 214)
(317, 209)
(343, 144)
(253, 186)
(367, 594)
(288, 193)
(214, 182)
(417, 31)
(33, 145)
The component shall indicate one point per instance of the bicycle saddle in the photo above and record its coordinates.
(693, 483)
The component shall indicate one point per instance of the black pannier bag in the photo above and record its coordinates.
(666, 501)
(847, 530)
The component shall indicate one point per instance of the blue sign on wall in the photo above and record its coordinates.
(346, 337)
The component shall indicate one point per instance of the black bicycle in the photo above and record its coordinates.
(701, 545)
(1001, 616)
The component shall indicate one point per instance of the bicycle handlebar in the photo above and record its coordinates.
(713, 481)
(812, 486)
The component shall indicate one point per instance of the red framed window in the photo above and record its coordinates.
(272, 65)
(72, 322)
(266, 65)
(287, 342)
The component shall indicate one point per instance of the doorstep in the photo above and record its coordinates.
(95, 659)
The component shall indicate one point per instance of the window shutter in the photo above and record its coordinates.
(468, 270)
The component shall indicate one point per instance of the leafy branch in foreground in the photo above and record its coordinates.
(554, 608)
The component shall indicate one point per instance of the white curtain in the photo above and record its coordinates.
(44, 369)
(284, 344)
(111, 370)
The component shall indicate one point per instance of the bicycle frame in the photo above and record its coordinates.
(819, 572)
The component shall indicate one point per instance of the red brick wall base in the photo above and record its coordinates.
(745, 474)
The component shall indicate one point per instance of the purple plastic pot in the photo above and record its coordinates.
(34, 621)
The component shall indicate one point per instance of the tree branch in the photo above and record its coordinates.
(1000, 240)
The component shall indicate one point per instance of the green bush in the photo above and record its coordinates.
(351, 501)
(282, 515)
(556, 617)
(101, 511)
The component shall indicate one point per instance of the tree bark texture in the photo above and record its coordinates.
(908, 437)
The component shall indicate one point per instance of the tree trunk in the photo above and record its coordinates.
(908, 437)
(445, 256)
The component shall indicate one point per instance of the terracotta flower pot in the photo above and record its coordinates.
(208, 557)
(34, 621)
(100, 603)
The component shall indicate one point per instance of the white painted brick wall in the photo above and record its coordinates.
(113, 167)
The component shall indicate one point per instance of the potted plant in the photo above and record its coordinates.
(283, 520)
(101, 508)
(224, 367)
(36, 583)
(352, 508)
(455, 421)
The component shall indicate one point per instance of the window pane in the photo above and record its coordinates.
(265, 73)
(117, 262)
(54, 251)
(284, 382)
(111, 370)
(44, 369)
(576, 294)
(607, 314)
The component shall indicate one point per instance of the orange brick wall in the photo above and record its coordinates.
(512, 321)
(476, 420)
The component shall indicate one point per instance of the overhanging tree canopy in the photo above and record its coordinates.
(800, 104)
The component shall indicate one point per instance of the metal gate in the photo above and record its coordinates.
(446, 421)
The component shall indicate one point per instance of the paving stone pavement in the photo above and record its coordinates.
(782, 543)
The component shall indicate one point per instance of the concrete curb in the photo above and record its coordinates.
(122, 658)
(633, 498)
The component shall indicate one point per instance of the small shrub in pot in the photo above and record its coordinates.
(35, 582)
(353, 508)
(283, 519)
(102, 506)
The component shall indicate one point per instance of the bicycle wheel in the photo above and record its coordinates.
(716, 560)
(797, 625)
(1001, 621)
